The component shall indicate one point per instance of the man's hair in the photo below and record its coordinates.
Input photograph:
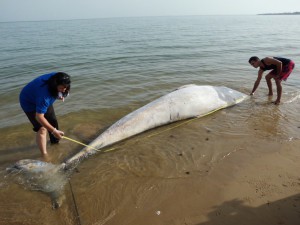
(253, 58)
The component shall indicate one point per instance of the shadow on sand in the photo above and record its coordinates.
(236, 212)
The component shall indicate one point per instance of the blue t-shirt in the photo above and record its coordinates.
(35, 96)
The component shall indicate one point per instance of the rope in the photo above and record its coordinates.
(75, 204)
(151, 135)
(112, 149)
(185, 122)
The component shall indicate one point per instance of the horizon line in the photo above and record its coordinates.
(116, 17)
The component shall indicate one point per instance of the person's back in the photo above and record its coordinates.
(34, 93)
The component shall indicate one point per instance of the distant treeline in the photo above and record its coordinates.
(293, 13)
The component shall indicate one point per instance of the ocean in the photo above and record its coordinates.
(120, 64)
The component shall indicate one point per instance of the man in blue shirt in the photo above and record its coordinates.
(36, 100)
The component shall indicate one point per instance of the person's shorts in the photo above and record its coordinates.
(49, 115)
(34, 122)
(286, 71)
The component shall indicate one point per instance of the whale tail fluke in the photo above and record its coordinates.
(41, 176)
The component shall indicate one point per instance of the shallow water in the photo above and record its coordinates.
(118, 66)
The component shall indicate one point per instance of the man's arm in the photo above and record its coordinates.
(256, 84)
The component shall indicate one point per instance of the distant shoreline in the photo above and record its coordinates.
(293, 13)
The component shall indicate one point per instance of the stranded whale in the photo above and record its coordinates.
(185, 102)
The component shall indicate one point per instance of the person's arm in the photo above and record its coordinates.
(256, 84)
(44, 122)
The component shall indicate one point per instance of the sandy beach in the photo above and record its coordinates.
(249, 185)
(246, 188)
(263, 189)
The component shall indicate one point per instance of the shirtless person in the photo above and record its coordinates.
(280, 68)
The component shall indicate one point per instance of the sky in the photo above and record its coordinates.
(35, 10)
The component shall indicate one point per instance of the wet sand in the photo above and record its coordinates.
(250, 189)
(227, 168)
(246, 188)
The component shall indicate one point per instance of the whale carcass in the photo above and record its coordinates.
(185, 102)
